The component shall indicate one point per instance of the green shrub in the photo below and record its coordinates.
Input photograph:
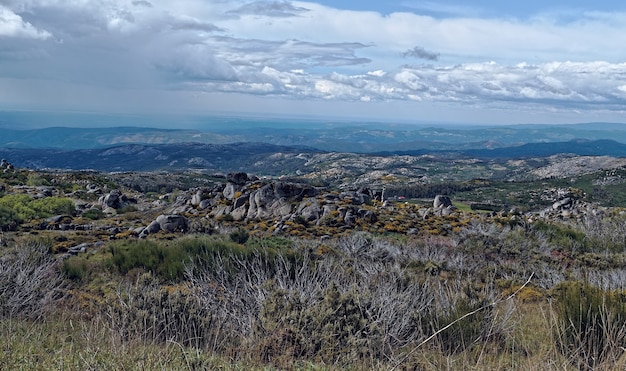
(226, 218)
(164, 261)
(591, 324)
(75, 268)
(466, 332)
(564, 236)
(126, 209)
(9, 219)
(239, 235)
(23, 207)
(169, 259)
(53, 206)
(94, 214)
(335, 327)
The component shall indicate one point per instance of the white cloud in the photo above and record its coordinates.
(306, 51)
(12, 25)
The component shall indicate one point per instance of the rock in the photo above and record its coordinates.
(205, 204)
(368, 216)
(173, 223)
(448, 210)
(237, 178)
(78, 249)
(115, 200)
(441, 201)
(309, 210)
(199, 196)
(153, 227)
(565, 203)
(349, 218)
(230, 190)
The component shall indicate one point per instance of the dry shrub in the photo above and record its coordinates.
(30, 280)
(147, 310)
(591, 325)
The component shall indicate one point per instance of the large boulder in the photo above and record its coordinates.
(237, 178)
(200, 195)
(441, 202)
(115, 200)
(173, 223)
(230, 190)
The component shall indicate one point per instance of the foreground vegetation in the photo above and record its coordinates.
(490, 297)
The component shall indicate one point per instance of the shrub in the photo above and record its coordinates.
(169, 260)
(164, 261)
(23, 207)
(146, 310)
(226, 218)
(93, 214)
(466, 332)
(126, 209)
(75, 268)
(30, 280)
(591, 324)
(9, 220)
(239, 235)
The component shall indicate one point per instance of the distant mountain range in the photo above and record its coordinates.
(278, 147)
(269, 159)
(178, 156)
(336, 137)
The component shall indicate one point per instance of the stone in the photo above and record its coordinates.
(441, 201)
(237, 178)
(115, 200)
(153, 227)
(173, 223)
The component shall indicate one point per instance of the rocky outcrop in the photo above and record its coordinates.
(442, 206)
(168, 223)
(6, 166)
(115, 200)
(441, 202)
(246, 198)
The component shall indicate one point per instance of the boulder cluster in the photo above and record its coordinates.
(115, 200)
(6, 166)
(244, 198)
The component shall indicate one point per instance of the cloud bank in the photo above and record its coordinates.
(307, 51)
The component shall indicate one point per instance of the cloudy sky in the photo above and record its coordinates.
(450, 60)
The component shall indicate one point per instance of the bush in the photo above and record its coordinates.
(9, 220)
(126, 209)
(169, 260)
(145, 310)
(75, 268)
(591, 324)
(166, 262)
(239, 235)
(94, 214)
(30, 280)
(23, 207)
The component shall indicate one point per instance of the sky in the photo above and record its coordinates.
(486, 62)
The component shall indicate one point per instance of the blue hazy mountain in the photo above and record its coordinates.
(87, 131)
